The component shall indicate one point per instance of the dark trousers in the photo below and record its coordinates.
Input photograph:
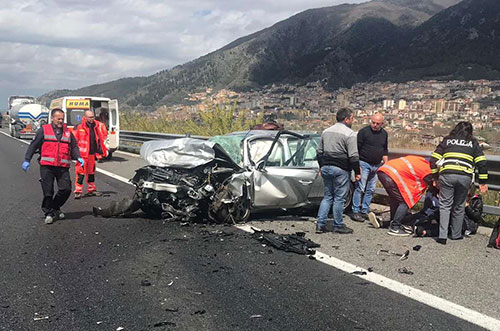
(452, 195)
(48, 174)
(398, 206)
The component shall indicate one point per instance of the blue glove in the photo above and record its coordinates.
(26, 166)
(81, 161)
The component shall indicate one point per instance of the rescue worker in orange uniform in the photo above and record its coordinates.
(405, 179)
(57, 147)
(90, 142)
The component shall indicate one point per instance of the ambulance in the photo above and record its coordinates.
(105, 111)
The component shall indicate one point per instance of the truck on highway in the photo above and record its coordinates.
(26, 116)
(105, 110)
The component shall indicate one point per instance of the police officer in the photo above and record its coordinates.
(57, 146)
(453, 162)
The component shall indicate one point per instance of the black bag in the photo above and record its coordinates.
(495, 236)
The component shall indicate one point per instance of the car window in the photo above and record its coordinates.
(276, 159)
(310, 153)
(232, 144)
(302, 153)
(258, 148)
(292, 144)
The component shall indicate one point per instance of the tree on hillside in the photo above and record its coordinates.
(217, 120)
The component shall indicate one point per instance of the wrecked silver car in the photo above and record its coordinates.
(189, 179)
(225, 178)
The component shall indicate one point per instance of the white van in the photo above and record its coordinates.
(105, 110)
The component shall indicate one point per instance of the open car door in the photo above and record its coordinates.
(282, 178)
(114, 126)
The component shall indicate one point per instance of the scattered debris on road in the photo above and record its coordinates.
(417, 247)
(40, 318)
(164, 323)
(405, 270)
(402, 256)
(359, 272)
(296, 243)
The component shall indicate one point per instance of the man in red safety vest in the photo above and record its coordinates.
(405, 179)
(90, 142)
(57, 147)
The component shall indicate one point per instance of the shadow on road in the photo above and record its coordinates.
(77, 214)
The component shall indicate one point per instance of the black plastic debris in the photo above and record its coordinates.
(199, 312)
(145, 282)
(370, 269)
(165, 323)
(296, 243)
(359, 272)
(417, 247)
(405, 270)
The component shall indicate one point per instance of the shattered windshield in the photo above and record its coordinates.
(232, 145)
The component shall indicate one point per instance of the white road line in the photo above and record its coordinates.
(433, 301)
(115, 176)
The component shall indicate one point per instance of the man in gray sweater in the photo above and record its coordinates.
(337, 155)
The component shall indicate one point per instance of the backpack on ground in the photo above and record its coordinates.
(495, 236)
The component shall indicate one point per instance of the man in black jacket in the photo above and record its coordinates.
(373, 152)
(57, 146)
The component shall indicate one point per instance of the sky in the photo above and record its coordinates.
(67, 44)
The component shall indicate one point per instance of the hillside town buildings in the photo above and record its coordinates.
(417, 113)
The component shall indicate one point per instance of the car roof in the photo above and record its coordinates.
(270, 133)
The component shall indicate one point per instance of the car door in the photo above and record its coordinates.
(317, 191)
(281, 178)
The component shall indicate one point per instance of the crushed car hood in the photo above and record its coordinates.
(184, 153)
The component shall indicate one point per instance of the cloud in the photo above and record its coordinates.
(53, 44)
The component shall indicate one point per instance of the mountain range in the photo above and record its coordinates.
(389, 40)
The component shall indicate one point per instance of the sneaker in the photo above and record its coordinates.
(60, 215)
(373, 220)
(49, 219)
(320, 229)
(398, 232)
(342, 229)
(357, 217)
(407, 228)
(78, 195)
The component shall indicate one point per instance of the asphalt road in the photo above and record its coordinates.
(87, 273)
